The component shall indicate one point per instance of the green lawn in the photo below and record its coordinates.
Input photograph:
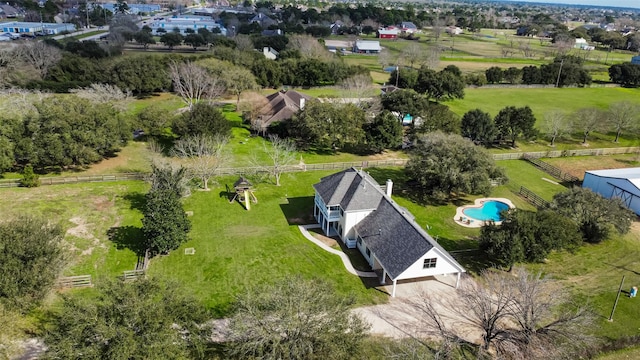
(236, 248)
(522, 173)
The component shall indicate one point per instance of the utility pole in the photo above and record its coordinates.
(617, 298)
(87, 11)
(559, 72)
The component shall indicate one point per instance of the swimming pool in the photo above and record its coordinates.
(489, 210)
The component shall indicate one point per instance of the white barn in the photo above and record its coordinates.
(616, 183)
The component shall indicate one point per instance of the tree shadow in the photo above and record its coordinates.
(128, 237)
(137, 200)
(298, 210)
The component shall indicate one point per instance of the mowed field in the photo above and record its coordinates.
(567, 100)
(576, 166)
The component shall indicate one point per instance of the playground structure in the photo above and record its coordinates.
(244, 192)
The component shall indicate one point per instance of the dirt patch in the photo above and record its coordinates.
(577, 166)
(102, 203)
(81, 230)
(331, 242)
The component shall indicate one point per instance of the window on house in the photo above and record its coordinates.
(429, 263)
(341, 212)
(368, 253)
(359, 240)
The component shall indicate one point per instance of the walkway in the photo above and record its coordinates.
(343, 256)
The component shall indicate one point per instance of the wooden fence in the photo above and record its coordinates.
(74, 281)
(130, 275)
(567, 153)
(532, 197)
(553, 171)
(143, 261)
(323, 166)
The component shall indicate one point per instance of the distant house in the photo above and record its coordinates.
(8, 11)
(353, 206)
(335, 27)
(269, 53)
(453, 30)
(281, 106)
(183, 23)
(623, 184)
(274, 32)
(366, 47)
(388, 33)
(582, 44)
(408, 27)
(263, 20)
(388, 89)
(635, 60)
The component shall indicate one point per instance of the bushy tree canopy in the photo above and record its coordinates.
(202, 119)
(513, 122)
(146, 318)
(528, 236)
(446, 166)
(384, 132)
(31, 258)
(165, 224)
(478, 126)
(596, 216)
(625, 74)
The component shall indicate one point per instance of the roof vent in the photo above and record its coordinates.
(379, 231)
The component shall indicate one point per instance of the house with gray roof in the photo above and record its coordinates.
(281, 106)
(353, 206)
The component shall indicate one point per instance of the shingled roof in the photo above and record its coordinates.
(351, 189)
(281, 105)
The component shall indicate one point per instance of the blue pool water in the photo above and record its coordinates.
(490, 210)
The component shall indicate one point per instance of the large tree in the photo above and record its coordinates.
(143, 319)
(203, 119)
(625, 74)
(478, 126)
(446, 166)
(404, 102)
(443, 85)
(294, 319)
(31, 257)
(328, 126)
(595, 215)
(165, 225)
(513, 122)
(528, 236)
(383, 132)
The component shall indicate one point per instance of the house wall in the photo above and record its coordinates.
(443, 266)
(602, 186)
(349, 220)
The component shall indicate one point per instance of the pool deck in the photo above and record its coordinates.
(463, 220)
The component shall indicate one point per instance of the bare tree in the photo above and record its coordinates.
(39, 55)
(281, 154)
(309, 47)
(19, 102)
(413, 54)
(237, 80)
(193, 83)
(517, 315)
(622, 116)
(384, 58)
(588, 120)
(243, 42)
(555, 123)
(204, 154)
(437, 27)
(105, 93)
(433, 57)
(357, 87)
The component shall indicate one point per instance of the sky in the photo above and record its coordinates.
(618, 3)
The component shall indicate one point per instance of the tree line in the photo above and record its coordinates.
(563, 71)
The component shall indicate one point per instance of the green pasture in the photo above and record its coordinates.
(88, 212)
